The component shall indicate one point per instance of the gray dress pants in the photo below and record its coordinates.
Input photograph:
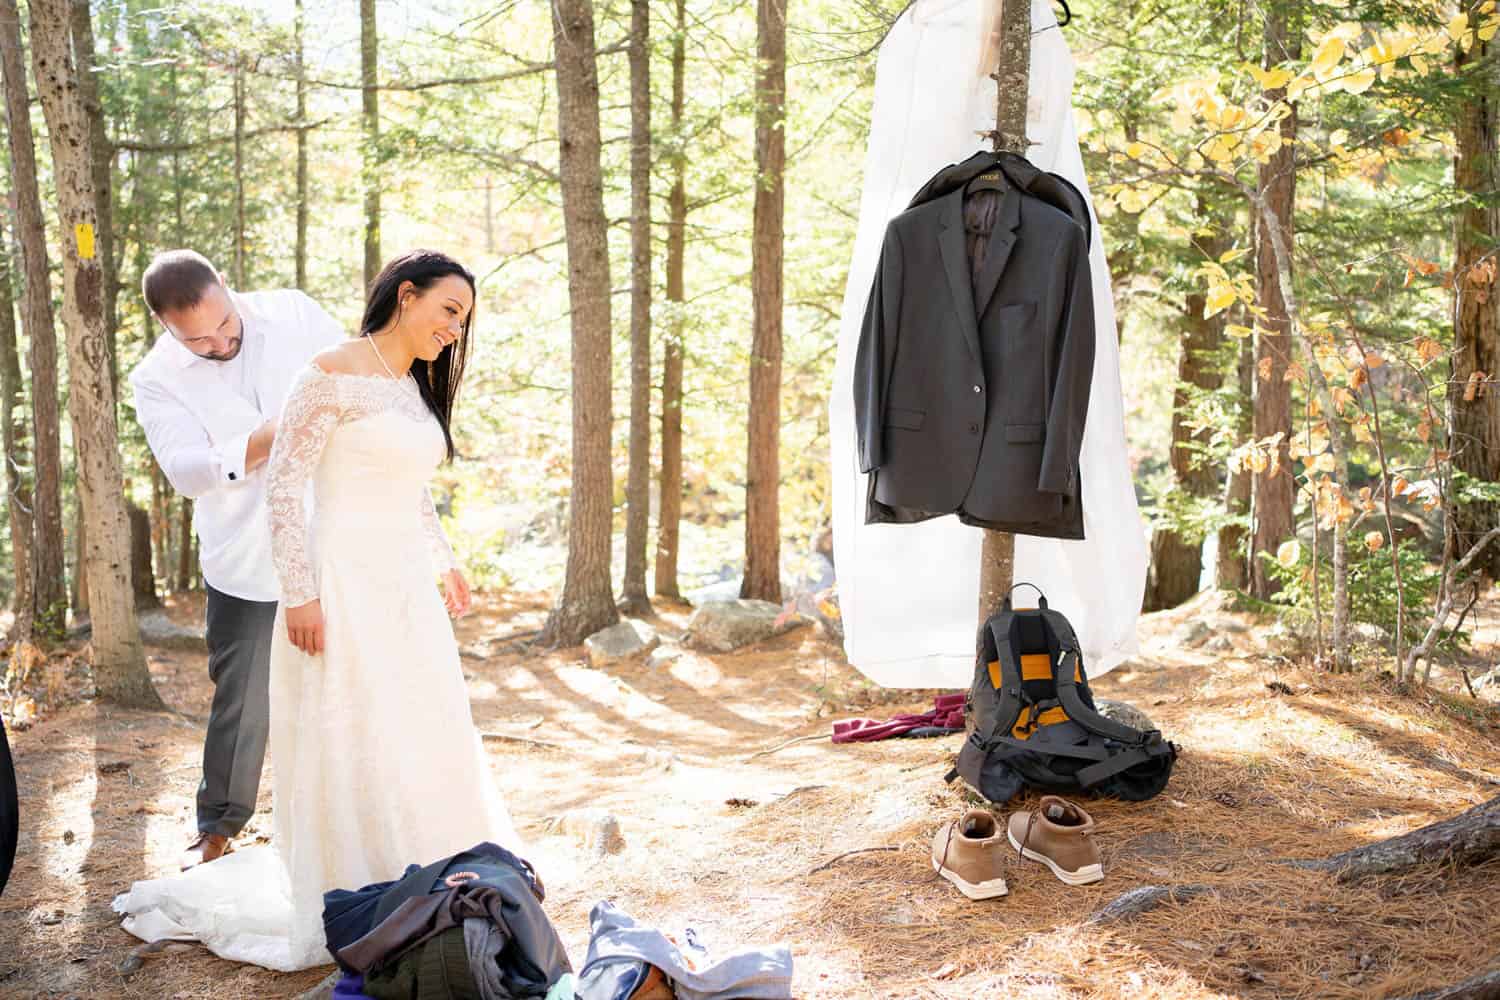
(239, 664)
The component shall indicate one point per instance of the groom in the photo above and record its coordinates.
(209, 394)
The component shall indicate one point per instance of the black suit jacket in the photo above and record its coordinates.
(972, 399)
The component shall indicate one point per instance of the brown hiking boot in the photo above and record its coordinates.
(206, 847)
(968, 853)
(1059, 834)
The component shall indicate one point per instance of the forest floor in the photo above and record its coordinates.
(1279, 762)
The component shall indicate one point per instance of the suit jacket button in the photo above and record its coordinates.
(977, 389)
(232, 476)
(973, 428)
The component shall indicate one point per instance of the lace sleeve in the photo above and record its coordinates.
(310, 415)
(437, 539)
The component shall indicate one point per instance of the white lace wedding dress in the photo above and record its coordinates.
(377, 762)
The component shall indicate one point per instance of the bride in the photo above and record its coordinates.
(377, 761)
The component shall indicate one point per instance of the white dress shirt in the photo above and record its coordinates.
(198, 415)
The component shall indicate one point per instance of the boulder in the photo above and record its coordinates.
(722, 626)
(159, 630)
(630, 637)
(1124, 713)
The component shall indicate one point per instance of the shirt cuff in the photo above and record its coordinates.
(232, 459)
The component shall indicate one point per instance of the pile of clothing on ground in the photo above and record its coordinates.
(471, 927)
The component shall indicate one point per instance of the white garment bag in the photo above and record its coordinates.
(909, 593)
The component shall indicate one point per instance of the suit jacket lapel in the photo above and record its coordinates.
(1002, 239)
(956, 266)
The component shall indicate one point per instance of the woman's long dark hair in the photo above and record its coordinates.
(438, 380)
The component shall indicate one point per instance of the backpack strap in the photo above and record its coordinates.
(1067, 688)
(1122, 761)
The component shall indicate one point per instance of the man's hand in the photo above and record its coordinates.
(258, 447)
(304, 626)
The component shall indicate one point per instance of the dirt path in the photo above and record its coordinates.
(739, 845)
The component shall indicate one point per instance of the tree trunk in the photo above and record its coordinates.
(119, 662)
(587, 603)
(238, 277)
(143, 580)
(1470, 838)
(161, 512)
(301, 71)
(49, 572)
(1475, 436)
(669, 517)
(1273, 489)
(370, 103)
(1233, 572)
(185, 546)
(80, 593)
(18, 501)
(1012, 79)
(638, 486)
(1176, 558)
(101, 158)
(763, 461)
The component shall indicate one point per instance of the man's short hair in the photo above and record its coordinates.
(176, 280)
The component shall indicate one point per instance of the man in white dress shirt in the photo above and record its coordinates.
(208, 394)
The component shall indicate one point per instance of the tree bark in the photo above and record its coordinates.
(1273, 489)
(238, 277)
(1177, 558)
(161, 513)
(49, 573)
(669, 517)
(1475, 435)
(301, 71)
(18, 500)
(143, 580)
(370, 103)
(119, 662)
(638, 485)
(1233, 572)
(1012, 78)
(587, 603)
(763, 459)
(101, 158)
(185, 546)
(1470, 838)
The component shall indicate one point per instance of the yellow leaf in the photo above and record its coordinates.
(1232, 255)
(1288, 553)
(1358, 83)
(1420, 65)
(1373, 360)
(1220, 297)
(1338, 137)
(1324, 462)
(1263, 368)
(1257, 461)
(1487, 32)
(1328, 56)
(1458, 26)
(1362, 433)
(1294, 373)
(1297, 87)
(1235, 330)
(1342, 398)
(1429, 350)
(1374, 540)
(1270, 79)
(1398, 485)
(1135, 150)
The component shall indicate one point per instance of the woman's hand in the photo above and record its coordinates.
(456, 593)
(304, 626)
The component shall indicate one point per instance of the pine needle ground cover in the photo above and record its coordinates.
(827, 847)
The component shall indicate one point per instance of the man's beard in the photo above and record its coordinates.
(228, 355)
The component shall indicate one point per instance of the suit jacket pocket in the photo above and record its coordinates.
(1024, 433)
(907, 420)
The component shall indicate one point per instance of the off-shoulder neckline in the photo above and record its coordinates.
(376, 376)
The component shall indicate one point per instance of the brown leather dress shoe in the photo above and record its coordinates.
(207, 847)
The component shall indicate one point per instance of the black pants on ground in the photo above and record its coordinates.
(239, 664)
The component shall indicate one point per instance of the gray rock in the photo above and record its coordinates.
(722, 626)
(724, 590)
(1219, 644)
(631, 637)
(595, 830)
(1369, 632)
(159, 630)
(323, 990)
(1193, 634)
(661, 656)
(1124, 713)
(1488, 681)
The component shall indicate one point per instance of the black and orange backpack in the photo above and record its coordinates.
(1030, 718)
